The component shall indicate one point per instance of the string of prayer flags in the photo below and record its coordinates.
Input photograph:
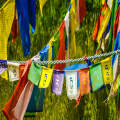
(46, 77)
(61, 54)
(6, 19)
(12, 109)
(84, 81)
(26, 15)
(35, 73)
(107, 70)
(73, 24)
(57, 83)
(71, 84)
(13, 69)
(96, 77)
(42, 3)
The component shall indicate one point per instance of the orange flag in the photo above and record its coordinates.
(84, 81)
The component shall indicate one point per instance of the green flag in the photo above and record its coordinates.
(96, 77)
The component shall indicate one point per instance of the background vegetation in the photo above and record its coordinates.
(60, 107)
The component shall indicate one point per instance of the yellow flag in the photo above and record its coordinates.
(115, 84)
(6, 20)
(42, 3)
(45, 77)
(103, 25)
(107, 70)
(103, 1)
(73, 21)
(50, 49)
(4, 75)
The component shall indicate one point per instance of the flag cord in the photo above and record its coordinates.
(69, 60)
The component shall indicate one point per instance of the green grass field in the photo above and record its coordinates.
(92, 106)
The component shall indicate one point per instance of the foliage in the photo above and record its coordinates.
(60, 107)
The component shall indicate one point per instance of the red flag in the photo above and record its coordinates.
(81, 9)
(61, 54)
(14, 29)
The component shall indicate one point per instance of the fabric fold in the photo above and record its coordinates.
(61, 54)
(26, 15)
(11, 110)
(6, 20)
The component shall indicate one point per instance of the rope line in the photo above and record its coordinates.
(70, 60)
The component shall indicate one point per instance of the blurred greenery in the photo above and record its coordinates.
(91, 106)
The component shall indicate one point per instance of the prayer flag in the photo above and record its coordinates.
(36, 105)
(116, 26)
(103, 1)
(84, 80)
(3, 66)
(14, 29)
(99, 21)
(57, 83)
(61, 54)
(46, 77)
(13, 69)
(109, 3)
(81, 10)
(6, 20)
(42, 3)
(76, 67)
(56, 44)
(115, 84)
(36, 101)
(17, 104)
(96, 76)
(3, 69)
(67, 21)
(71, 84)
(104, 25)
(26, 16)
(116, 46)
(107, 70)
(116, 66)
(44, 53)
(34, 73)
(51, 50)
(116, 76)
(73, 25)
